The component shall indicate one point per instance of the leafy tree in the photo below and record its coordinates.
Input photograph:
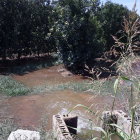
(24, 26)
(78, 33)
(111, 16)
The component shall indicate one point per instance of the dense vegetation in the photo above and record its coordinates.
(79, 31)
(24, 26)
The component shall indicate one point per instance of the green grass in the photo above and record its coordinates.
(100, 87)
(95, 86)
(23, 66)
(11, 87)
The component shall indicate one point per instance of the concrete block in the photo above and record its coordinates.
(121, 119)
(71, 120)
(108, 119)
(60, 122)
(24, 135)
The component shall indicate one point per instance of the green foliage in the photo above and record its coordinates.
(28, 67)
(78, 33)
(99, 87)
(24, 26)
(10, 87)
(6, 127)
(111, 16)
(130, 31)
(78, 30)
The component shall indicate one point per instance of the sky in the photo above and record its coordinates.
(128, 3)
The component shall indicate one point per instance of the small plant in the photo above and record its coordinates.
(44, 134)
(39, 64)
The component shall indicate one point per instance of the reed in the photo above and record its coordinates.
(127, 57)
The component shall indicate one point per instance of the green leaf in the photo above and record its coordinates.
(105, 133)
(125, 79)
(77, 130)
(118, 134)
(86, 109)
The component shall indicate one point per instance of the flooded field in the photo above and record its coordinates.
(53, 75)
(28, 111)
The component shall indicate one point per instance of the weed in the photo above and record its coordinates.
(45, 135)
(26, 65)
(99, 87)
(35, 66)
(6, 127)
(11, 87)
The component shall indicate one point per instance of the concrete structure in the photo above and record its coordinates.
(62, 124)
(24, 135)
(108, 119)
(121, 119)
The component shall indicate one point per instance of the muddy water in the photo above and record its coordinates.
(52, 75)
(28, 110)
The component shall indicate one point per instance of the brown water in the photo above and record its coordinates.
(28, 110)
(49, 75)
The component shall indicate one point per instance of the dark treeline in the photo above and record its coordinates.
(24, 26)
(78, 30)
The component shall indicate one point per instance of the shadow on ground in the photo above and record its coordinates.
(26, 64)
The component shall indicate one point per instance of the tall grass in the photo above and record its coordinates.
(98, 87)
(130, 31)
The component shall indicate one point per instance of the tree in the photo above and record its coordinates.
(111, 16)
(24, 25)
(78, 33)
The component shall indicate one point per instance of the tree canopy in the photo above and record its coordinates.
(78, 30)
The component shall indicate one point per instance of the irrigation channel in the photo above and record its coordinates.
(29, 110)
